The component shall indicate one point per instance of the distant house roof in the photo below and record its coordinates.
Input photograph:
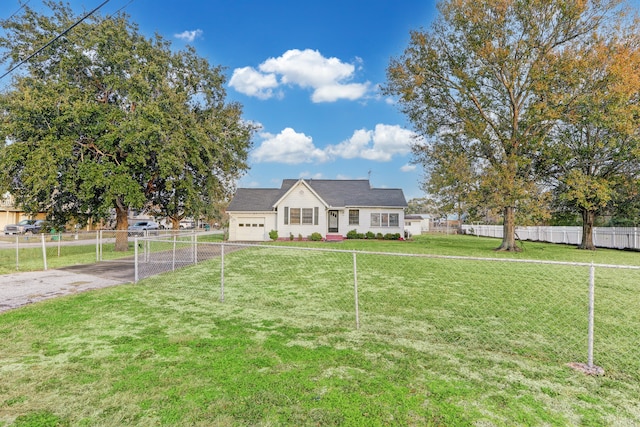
(335, 193)
(414, 216)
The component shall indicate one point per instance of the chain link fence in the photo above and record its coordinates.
(560, 312)
(26, 252)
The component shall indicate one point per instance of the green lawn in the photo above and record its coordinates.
(441, 342)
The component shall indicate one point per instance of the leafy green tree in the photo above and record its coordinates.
(420, 205)
(595, 159)
(451, 178)
(493, 77)
(105, 119)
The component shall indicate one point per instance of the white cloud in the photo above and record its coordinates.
(307, 68)
(332, 93)
(327, 77)
(379, 145)
(189, 36)
(352, 147)
(288, 147)
(408, 168)
(309, 175)
(253, 83)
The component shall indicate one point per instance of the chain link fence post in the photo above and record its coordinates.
(355, 289)
(44, 252)
(17, 253)
(173, 257)
(195, 248)
(222, 272)
(592, 287)
(135, 260)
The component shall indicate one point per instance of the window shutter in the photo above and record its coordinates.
(286, 215)
(315, 215)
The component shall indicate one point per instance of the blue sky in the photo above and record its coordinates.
(308, 72)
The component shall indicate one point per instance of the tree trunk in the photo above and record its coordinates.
(588, 219)
(509, 231)
(122, 224)
(175, 223)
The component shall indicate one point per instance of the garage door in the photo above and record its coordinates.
(250, 229)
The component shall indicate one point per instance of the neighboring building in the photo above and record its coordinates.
(416, 224)
(302, 207)
(11, 214)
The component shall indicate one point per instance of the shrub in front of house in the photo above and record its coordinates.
(273, 235)
(392, 236)
(370, 235)
(353, 234)
(315, 237)
(379, 236)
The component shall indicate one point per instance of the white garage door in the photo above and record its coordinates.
(250, 229)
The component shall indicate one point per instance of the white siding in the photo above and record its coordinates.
(365, 221)
(414, 226)
(263, 221)
(301, 197)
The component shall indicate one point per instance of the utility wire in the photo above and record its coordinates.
(54, 39)
(22, 5)
(19, 9)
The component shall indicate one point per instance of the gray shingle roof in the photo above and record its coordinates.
(336, 193)
(254, 199)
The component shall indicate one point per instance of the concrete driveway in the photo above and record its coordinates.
(18, 289)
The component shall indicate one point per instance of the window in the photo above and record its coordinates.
(385, 220)
(294, 216)
(354, 217)
(304, 216)
(307, 216)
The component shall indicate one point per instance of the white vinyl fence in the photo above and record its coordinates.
(603, 237)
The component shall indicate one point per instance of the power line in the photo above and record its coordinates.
(54, 39)
(22, 5)
(19, 9)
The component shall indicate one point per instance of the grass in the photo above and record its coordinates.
(442, 342)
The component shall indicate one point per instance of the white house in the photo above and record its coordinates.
(302, 207)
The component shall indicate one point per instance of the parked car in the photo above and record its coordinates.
(140, 227)
(187, 224)
(26, 226)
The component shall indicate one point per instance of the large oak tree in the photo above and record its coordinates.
(594, 156)
(106, 120)
(495, 76)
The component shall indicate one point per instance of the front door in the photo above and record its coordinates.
(333, 221)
